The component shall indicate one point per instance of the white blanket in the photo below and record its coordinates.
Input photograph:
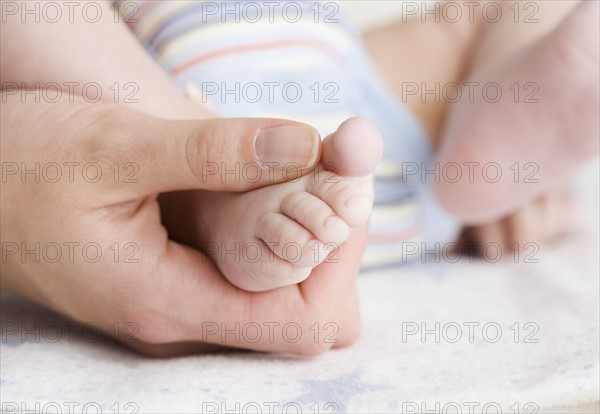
(533, 347)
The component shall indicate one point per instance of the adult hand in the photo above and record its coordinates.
(81, 229)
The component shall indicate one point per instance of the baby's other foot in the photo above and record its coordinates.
(548, 131)
(275, 236)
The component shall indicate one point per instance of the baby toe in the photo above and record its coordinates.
(316, 216)
(291, 242)
(352, 200)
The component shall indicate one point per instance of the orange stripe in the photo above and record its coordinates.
(241, 49)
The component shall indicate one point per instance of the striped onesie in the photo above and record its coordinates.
(302, 60)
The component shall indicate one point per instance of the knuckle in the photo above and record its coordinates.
(116, 127)
(197, 152)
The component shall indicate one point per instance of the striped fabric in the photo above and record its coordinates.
(300, 60)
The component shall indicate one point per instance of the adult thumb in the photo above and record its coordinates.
(220, 154)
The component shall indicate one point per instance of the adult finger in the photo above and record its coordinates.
(214, 154)
(307, 319)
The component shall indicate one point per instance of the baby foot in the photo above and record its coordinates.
(275, 236)
(548, 134)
